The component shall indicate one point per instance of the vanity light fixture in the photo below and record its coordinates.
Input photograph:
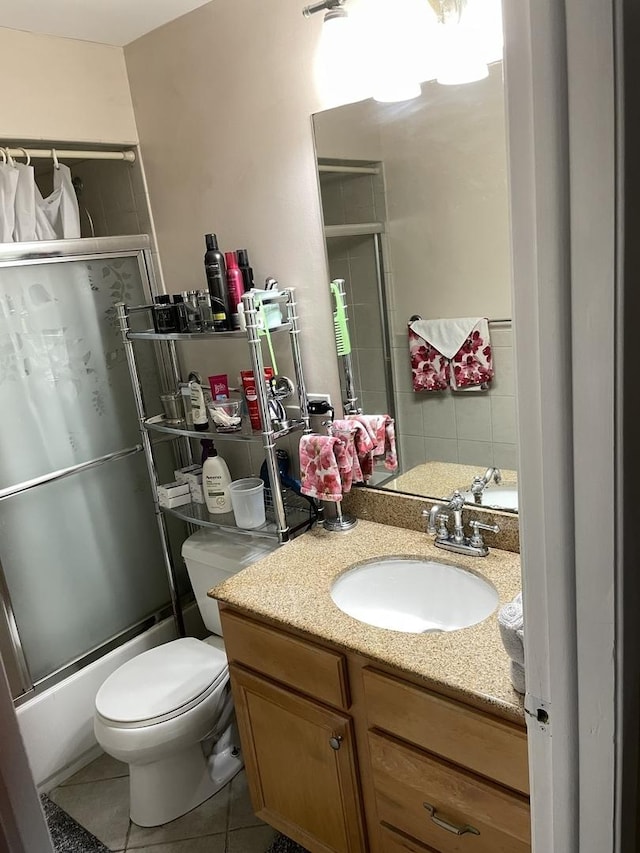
(329, 5)
(461, 60)
(365, 55)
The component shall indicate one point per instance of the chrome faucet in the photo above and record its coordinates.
(474, 545)
(480, 483)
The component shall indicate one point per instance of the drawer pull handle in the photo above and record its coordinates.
(335, 742)
(450, 827)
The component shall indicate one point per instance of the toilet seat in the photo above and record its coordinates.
(161, 684)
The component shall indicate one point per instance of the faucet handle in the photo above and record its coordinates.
(443, 531)
(477, 526)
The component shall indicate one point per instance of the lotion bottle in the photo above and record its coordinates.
(198, 407)
(215, 479)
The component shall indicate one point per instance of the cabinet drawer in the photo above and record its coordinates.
(405, 779)
(392, 841)
(303, 666)
(489, 746)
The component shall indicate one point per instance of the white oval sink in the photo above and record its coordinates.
(498, 497)
(412, 595)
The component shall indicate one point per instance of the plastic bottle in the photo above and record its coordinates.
(245, 268)
(215, 479)
(198, 407)
(215, 269)
(235, 287)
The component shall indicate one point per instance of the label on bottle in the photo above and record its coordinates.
(215, 491)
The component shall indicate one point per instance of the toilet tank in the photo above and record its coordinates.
(211, 557)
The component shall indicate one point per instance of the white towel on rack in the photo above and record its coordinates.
(447, 336)
(465, 344)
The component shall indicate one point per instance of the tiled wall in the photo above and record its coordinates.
(473, 428)
(114, 194)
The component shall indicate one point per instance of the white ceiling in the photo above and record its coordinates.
(115, 22)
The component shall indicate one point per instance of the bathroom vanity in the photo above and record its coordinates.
(356, 738)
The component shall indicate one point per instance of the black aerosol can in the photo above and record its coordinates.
(216, 272)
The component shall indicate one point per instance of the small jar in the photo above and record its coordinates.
(206, 314)
(164, 315)
(182, 319)
(190, 299)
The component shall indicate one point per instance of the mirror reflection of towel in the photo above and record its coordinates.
(452, 354)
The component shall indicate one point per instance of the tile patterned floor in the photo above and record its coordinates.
(97, 797)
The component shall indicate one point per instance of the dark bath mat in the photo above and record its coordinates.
(282, 844)
(67, 835)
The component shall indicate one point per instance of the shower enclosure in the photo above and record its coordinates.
(81, 565)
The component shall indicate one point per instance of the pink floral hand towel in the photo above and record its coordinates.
(452, 353)
(322, 457)
(381, 431)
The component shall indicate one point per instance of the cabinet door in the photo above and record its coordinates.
(300, 764)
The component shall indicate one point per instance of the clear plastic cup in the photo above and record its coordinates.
(247, 501)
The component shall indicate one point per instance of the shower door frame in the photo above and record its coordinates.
(22, 685)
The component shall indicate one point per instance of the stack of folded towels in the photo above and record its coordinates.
(330, 464)
(511, 621)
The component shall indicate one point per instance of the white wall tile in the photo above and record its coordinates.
(504, 380)
(503, 417)
(438, 415)
(372, 373)
(375, 402)
(367, 325)
(505, 456)
(402, 370)
(501, 336)
(411, 451)
(475, 453)
(473, 416)
(410, 414)
(441, 450)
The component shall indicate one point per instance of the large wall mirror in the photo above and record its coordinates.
(415, 204)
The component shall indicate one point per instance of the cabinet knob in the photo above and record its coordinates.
(335, 742)
(445, 824)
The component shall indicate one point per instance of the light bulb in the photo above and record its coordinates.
(339, 71)
(461, 60)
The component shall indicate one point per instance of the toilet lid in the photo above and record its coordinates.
(160, 681)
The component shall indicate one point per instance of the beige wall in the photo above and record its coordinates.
(63, 90)
(223, 99)
(447, 203)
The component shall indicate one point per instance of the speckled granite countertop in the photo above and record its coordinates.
(441, 479)
(292, 587)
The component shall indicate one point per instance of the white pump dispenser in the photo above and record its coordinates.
(215, 480)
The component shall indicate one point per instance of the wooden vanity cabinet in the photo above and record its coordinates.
(299, 752)
(331, 745)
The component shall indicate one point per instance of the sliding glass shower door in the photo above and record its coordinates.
(80, 555)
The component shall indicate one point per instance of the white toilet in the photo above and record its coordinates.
(168, 712)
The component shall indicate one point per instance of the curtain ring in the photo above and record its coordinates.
(54, 157)
(3, 153)
(26, 155)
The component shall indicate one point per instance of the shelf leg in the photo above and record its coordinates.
(123, 321)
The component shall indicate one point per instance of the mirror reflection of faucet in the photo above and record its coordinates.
(480, 483)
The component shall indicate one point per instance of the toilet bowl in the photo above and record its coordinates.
(168, 713)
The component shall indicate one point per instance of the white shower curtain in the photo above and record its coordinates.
(26, 215)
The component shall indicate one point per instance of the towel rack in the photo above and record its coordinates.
(414, 317)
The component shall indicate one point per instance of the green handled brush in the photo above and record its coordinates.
(340, 327)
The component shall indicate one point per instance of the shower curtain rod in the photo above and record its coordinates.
(128, 156)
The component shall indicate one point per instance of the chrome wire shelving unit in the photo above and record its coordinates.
(287, 513)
